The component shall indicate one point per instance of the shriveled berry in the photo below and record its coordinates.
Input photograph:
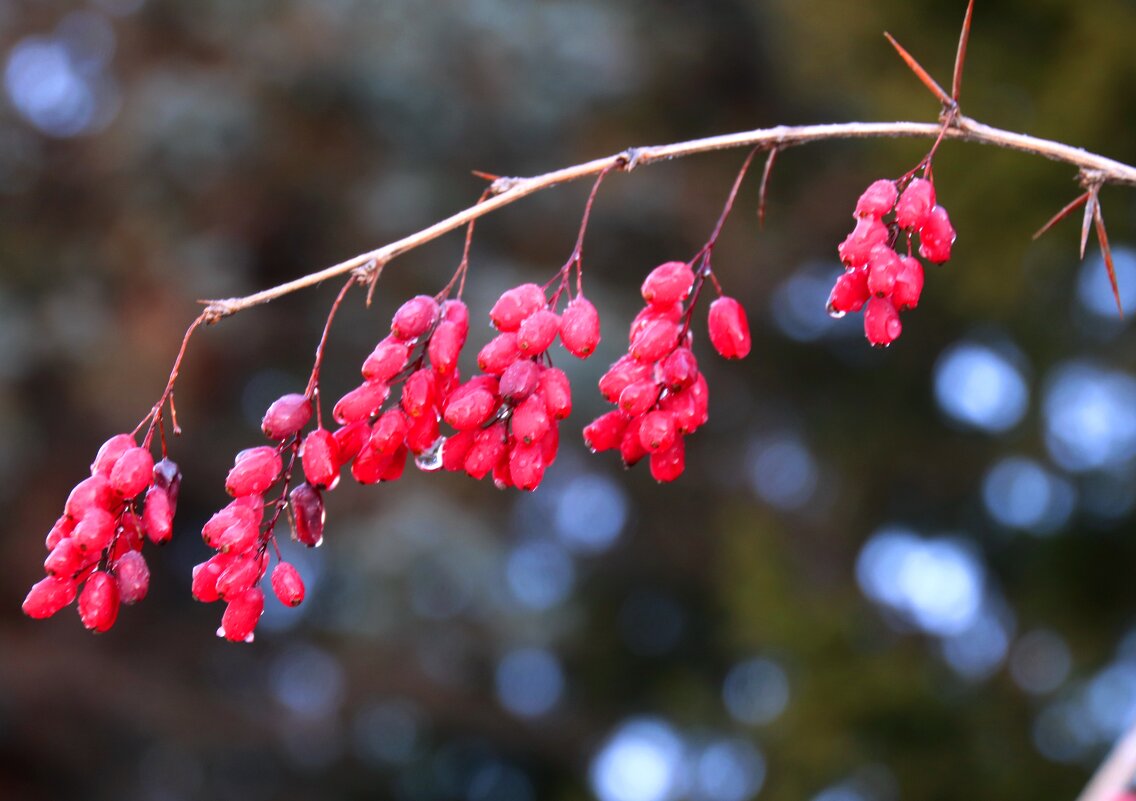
(132, 576)
(254, 471)
(419, 393)
(580, 327)
(881, 322)
(469, 406)
(98, 602)
(386, 361)
(679, 369)
(656, 340)
(319, 457)
(557, 392)
(537, 332)
(606, 431)
(728, 328)
(515, 305)
(877, 199)
(849, 293)
(93, 492)
(519, 380)
(657, 431)
(287, 584)
(914, 205)
(361, 403)
(668, 283)
(241, 616)
(351, 438)
(308, 515)
(908, 284)
(109, 452)
(498, 353)
(855, 248)
(167, 475)
(936, 236)
(445, 347)
(157, 517)
(389, 431)
(530, 419)
(48, 596)
(667, 465)
(286, 416)
(94, 530)
(415, 317)
(526, 465)
(638, 396)
(883, 269)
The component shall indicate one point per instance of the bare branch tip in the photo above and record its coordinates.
(920, 73)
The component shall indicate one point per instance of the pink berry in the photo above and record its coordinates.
(606, 431)
(580, 327)
(488, 448)
(240, 536)
(98, 602)
(530, 420)
(668, 464)
(67, 559)
(351, 438)
(109, 453)
(415, 317)
(422, 434)
(93, 492)
(308, 515)
(656, 340)
(690, 407)
(131, 531)
(247, 509)
(60, 531)
(728, 328)
(132, 472)
(638, 397)
(881, 322)
(419, 393)
(319, 456)
(445, 347)
(537, 332)
(241, 616)
(203, 586)
(936, 236)
(855, 248)
(526, 465)
(132, 576)
(241, 574)
(455, 449)
(623, 372)
(389, 431)
(94, 530)
(908, 284)
(657, 431)
(915, 204)
(631, 448)
(254, 470)
(286, 417)
(48, 596)
(557, 392)
(519, 380)
(361, 403)
(470, 406)
(668, 283)
(550, 443)
(386, 361)
(877, 199)
(287, 584)
(157, 517)
(499, 353)
(679, 369)
(883, 268)
(850, 292)
(456, 312)
(515, 305)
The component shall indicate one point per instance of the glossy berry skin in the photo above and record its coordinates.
(307, 515)
(515, 305)
(386, 361)
(203, 586)
(319, 458)
(856, 247)
(98, 602)
(498, 353)
(850, 292)
(241, 616)
(883, 268)
(656, 340)
(415, 317)
(881, 322)
(530, 421)
(526, 466)
(48, 596)
(728, 328)
(445, 347)
(286, 417)
(389, 432)
(936, 236)
(455, 449)
(132, 472)
(254, 471)
(580, 327)
(109, 453)
(679, 369)
(158, 516)
(241, 574)
(557, 392)
(638, 397)
(606, 431)
(470, 406)
(537, 332)
(624, 371)
(350, 439)
(657, 431)
(915, 204)
(361, 403)
(519, 380)
(419, 392)
(908, 284)
(94, 492)
(669, 464)
(877, 200)
(132, 576)
(287, 584)
(667, 284)
(167, 475)
(94, 530)
(66, 559)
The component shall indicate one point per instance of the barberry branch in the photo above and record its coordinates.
(509, 190)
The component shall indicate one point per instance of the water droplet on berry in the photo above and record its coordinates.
(431, 458)
(834, 313)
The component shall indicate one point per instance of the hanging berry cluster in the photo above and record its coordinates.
(877, 278)
(96, 544)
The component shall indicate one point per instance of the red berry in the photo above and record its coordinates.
(240, 536)
(415, 317)
(90, 493)
(515, 305)
(915, 204)
(657, 431)
(530, 420)
(667, 465)
(48, 596)
(286, 417)
(877, 199)
(456, 312)
(98, 602)
(308, 515)
(883, 268)
(419, 392)
(351, 438)
(253, 471)
(623, 372)
(658, 338)
(94, 530)
(395, 465)
(550, 444)
(470, 406)
(109, 452)
(240, 574)
(519, 380)
(203, 586)
(537, 332)
(157, 517)
(361, 403)
(606, 431)
(241, 616)
(488, 447)
(668, 283)
(526, 465)
(936, 236)
(855, 248)
(908, 284)
(557, 392)
(67, 559)
(287, 584)
(498, 353)
(630, 446)
(679, 369)
(850, 292)
(132, 576)
(423, 433)
(638, 397)
(881, 322)
(445, 347)
(131, 531)
(60, 531)
(728, 328)
(690, 406)
(319, 456)
(386, 361)
(580, 327)
(389, 431)
(455, 449)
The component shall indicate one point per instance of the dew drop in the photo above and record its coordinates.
(834, 313)
(431, 458)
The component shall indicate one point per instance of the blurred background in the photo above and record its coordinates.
(901, 574)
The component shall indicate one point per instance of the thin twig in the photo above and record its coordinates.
(962, 128)
(960, 54)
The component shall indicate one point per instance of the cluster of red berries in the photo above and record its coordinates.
(656, 386)
(96, 544)
(877, 278)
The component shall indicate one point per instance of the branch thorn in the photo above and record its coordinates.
(920, 73)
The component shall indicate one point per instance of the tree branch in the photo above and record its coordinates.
(509, 190)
